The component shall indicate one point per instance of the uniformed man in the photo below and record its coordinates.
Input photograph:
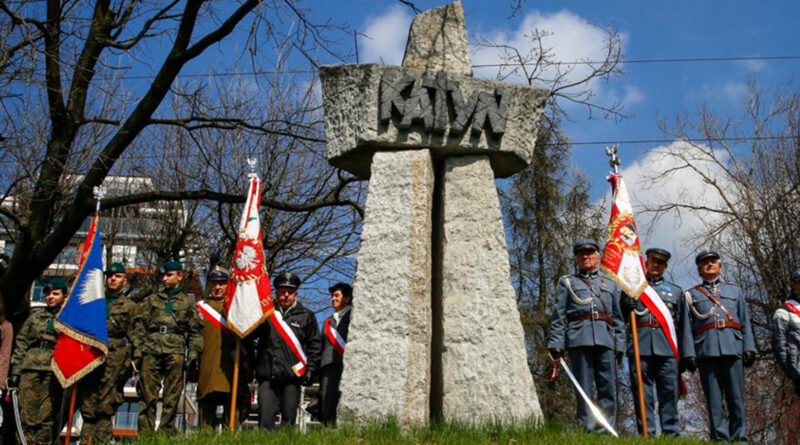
(216, 364)
(102, 390)
(40, 393)
(279, 384)
(720, 344)
(659, 367)
(786, 333)
(167, 326)
(334, 339)
(587, 324)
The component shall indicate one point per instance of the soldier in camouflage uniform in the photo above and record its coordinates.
(166, 324)
(101, 391)
(40, 393)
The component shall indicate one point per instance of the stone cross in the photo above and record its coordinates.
(435, 331)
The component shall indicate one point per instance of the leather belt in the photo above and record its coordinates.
(163, 329)
(718, 324)
(594, 315)
(647, 324)
(45, 344)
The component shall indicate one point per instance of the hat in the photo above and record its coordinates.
(115, 268)
(796, 276)
(286, 279)
(658, 251)
(218, 275)
(704, 255)
(55, 284)
(585, 244)
(169, 266)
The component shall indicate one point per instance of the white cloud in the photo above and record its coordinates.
(631, 95)
(734, 91)
(674, 230)
(385, 36)
(753, 66)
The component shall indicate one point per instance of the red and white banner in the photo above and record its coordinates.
(291, 340)
(333, 336)
(248, 301)
(622, 260)
(214, 317)
(793, 306)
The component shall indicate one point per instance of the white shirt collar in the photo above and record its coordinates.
(339, 314)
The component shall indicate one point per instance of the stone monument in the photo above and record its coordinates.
(435, 332)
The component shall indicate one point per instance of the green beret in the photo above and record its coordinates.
(115, 268)
(169, 266)
(55, 284)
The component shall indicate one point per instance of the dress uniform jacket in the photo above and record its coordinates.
(652, 340)
(588, 324)
(102, 390)
(718, 339)
(786, 341)
(40, 393)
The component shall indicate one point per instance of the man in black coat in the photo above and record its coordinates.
(334, 338)
(279, 370)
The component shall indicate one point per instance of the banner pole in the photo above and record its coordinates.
(235, 383)
(71, 413)
(635, 335)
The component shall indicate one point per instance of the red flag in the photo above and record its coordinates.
(622, 260)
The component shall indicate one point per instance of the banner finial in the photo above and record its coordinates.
(251, 164)
(614, 162)
(99, 192)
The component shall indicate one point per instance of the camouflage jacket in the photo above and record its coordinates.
(35, 343)
(121, 314)
(165, 325)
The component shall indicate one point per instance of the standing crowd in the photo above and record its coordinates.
(714, 338)
(162, 339)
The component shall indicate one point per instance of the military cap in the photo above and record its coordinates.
(796, 276)
(658, 251)
(169, 266)
(286, 279)
(704, 255)
(55, 284)
(115, 268)
(218, 275)
(585, 244)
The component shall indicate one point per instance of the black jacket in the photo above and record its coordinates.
(274, 358)
(329, 354)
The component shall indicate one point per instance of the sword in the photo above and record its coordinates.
(598, 415)
(15, 405)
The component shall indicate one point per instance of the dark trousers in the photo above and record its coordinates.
(209, 404)
(329, 392)
(595, 367)
(723, 379)
(659, 376)
(274, 394)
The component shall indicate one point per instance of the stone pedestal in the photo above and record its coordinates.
(387, 364)
(485, 376)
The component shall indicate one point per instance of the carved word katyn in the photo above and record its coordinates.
(437, 101)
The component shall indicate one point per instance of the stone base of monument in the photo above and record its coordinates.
(484, 369)
(390, 329)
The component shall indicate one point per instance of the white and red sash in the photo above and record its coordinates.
(214, 317)
(333, 336)
(793, 306)
(291, 340)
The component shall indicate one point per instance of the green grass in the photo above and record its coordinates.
(391, 434)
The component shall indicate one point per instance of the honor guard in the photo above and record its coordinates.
(659, 367)
(720, 344)
(334, 338)
(216, 364)
(40, 393)
(167, 344)
(587, 325)
(102, 390)
(786, 334)
(278, 380)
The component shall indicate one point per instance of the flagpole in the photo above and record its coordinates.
(71, 413)
(235, 383)
(614, 162)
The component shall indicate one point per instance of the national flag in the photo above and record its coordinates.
(82, 342)
(248, 301)
(622, 260)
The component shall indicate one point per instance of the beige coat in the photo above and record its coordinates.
(216, 360)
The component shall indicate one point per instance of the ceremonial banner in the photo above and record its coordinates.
(81, 323)
(249, 298)
(622, 260)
